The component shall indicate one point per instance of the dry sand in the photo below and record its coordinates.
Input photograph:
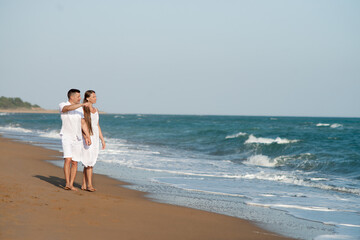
(34, 206)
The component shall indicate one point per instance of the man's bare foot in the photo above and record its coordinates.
(67, 188)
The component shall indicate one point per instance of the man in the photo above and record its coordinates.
(73, 127)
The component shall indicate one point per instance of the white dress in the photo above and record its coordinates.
(90, 153)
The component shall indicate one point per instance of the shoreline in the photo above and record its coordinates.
(22, 110)
(42, 209)
(25, 110)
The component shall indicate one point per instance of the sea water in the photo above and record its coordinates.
(297, 176)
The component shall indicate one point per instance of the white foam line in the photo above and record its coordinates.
(216, 193)
(267, 195)
(334, 125)
(111, 151)
(291, 180)
(320, 209)
(202, 191)
(278, 140)
(177, 172)
(41, 133)
(235, 135)
(50, 134)
(15, 129)
(322, 124)
(342, 224)
(336, 237)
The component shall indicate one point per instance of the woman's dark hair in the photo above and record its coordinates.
(72, 91)
(87, 115)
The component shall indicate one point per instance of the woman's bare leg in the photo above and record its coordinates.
(84, 183)
(89, 174)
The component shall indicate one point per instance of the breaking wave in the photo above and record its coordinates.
(260, 160)
(278, 140)
(239, 134)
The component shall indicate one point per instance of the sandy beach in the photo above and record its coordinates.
(35, 206)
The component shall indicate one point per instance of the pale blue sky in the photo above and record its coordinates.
(269, 57)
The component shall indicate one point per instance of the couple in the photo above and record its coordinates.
(80, 133)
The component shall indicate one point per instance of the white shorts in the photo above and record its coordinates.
(72, 149)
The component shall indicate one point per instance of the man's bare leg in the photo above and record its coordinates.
(84, 183)
(73, 171)
(67, 162)
(89, 173)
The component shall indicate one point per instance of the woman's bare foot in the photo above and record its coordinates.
(83, 187)
(67, 188)
(91, 189)
(73, 189)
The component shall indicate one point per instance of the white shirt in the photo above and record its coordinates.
(71, 122)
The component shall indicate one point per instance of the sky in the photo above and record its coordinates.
(244, 57)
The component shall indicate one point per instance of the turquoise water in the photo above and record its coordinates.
(297, 176)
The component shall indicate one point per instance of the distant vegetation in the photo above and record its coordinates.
(13, 103)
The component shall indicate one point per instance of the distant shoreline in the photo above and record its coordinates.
(34, 110)
(27, 110)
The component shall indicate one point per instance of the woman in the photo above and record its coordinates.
(90, 153)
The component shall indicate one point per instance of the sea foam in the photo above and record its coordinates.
(322, 124)
(334, 237)
(239, 134)
(334, 125)
(51, 134)
(12, 128)
(288, 178)
(260, 160)
(319, 209)
(278, 140)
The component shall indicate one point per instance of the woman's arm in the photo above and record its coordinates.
(101, 137)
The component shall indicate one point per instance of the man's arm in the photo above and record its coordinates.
(74, 106)
(86, 132)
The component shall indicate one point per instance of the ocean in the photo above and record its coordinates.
(297, 176)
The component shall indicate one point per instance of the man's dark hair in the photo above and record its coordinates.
(72, 91)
